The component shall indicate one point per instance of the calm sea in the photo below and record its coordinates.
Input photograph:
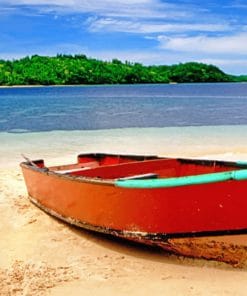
(108, 107)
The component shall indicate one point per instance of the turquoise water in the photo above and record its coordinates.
(57, 147)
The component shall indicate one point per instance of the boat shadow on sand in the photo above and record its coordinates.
(156, 253)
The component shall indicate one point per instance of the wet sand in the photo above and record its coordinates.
(43, 256)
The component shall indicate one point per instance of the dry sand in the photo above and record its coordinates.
(43, 256)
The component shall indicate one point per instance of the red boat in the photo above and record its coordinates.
(148, 199)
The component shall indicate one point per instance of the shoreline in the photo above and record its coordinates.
(115, 84)
(217, 142)
(42, 85)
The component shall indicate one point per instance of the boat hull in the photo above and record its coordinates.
(178, 219)
(204, 209)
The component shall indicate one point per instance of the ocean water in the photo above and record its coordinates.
(187, 120)
(122, 106)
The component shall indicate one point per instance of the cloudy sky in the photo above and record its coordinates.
(146, 31)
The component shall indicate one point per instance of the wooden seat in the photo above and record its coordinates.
(140, 177)
(64, 172)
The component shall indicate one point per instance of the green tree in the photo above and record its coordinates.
(78, 69)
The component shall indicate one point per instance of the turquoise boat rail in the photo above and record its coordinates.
(241, 162)
(237, 175)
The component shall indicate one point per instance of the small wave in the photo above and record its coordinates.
(18, 131)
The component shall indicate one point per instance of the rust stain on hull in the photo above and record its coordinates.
(228, 249)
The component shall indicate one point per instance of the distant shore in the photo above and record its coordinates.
(39, 85)
(19, 86)
(79, 69)
(91, 85)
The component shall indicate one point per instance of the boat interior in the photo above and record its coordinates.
(111, 166)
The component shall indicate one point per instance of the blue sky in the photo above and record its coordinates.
(146, 31)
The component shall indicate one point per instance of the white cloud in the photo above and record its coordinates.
(84, 5)
(184, 32)
(121, 25)
(133, 16)
(224, 62)
(229, 65)
(150, 57)
(234, 44)
(107, 8)
(37, 2)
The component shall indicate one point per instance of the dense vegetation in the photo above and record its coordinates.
(78, 69)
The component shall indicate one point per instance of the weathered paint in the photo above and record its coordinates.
(208, 247)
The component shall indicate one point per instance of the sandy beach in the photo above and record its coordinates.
(43, 256)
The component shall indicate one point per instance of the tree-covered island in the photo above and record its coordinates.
(79, 69)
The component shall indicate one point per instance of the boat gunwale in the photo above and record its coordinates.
(192, 180)
(81, 179)
(141, 184)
